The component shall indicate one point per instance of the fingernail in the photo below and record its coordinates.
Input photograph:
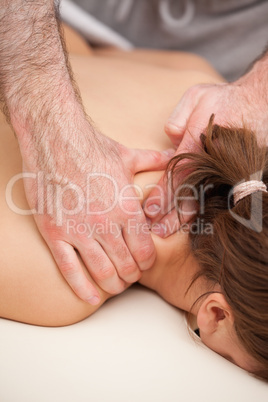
(94, 300)
(173, 128)
(152, 209)
(169, 152)
(159, 229)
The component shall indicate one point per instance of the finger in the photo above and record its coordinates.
(139, 242)
(176, 219)
(144, 160)
(70, 267)
(126, 267)
(176, 124)
(191, 141)
(101, 267)
(188, 114)
(160, 200)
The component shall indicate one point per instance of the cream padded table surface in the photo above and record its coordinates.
(135, 348)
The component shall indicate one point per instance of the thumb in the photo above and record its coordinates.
(177, 122)
(144, 160)
(160, 200)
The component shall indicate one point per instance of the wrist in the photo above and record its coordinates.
(256, 79)
(250, 94)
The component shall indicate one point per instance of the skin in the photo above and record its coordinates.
(25, 256)
(243, 102)
(62, 146)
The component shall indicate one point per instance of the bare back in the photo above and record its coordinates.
(129, 101)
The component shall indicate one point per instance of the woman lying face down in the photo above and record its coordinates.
(232, 308)
(218, 273)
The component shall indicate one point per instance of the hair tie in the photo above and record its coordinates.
(246, 188)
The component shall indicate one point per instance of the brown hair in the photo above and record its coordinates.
(235, 253)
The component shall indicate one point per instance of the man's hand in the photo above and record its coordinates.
(84, 201)
(78, 182)
(244, 102)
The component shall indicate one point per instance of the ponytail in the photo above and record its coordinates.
(234, 253)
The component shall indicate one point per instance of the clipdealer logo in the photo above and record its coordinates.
(51, 196)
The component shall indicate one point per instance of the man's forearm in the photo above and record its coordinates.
(38, 93)
(35, 78)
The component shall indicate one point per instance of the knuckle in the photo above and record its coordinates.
(128, 268)
(68, 269)
(121, 251)
(169, 122)
(167, 125)
(67, 266)
(145, 253)
(190, 91)
(118, 288)
(105, 272)
(194, 89)
(123, 151)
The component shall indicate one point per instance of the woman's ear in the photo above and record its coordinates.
(214, 314)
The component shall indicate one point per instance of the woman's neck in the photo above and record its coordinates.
(173, 271)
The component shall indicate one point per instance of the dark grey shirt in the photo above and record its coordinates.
(228, 33)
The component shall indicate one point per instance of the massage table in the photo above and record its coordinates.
(136, 348)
